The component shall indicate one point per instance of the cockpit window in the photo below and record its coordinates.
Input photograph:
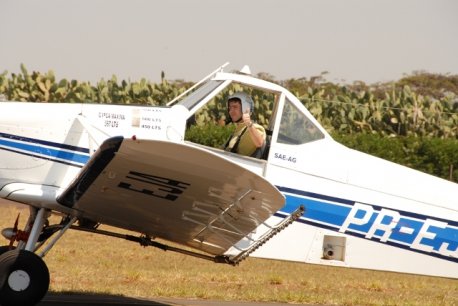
(190, 101)
(295, 127)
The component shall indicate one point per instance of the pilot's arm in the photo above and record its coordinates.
(256, 136)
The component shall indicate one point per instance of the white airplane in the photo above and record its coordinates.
(130, 167)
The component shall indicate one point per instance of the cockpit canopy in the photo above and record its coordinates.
(283, 116)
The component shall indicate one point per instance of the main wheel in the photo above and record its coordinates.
(4, 249)
(24, 278)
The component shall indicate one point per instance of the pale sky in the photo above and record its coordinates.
(368, 40)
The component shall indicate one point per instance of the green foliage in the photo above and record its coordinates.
(419, 105)
(428, 84)
(422, 104)
(439, 157)
(212, 135)
(400, 112)
(37, 87)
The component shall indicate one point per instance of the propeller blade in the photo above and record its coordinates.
(15, 230)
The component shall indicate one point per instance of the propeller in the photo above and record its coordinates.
(15, 232)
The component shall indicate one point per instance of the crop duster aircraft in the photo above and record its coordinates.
(130, 167)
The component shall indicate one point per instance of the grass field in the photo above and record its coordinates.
(89, 263)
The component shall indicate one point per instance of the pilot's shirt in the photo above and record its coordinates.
(245, 145)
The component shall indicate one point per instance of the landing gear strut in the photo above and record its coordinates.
(24, 276)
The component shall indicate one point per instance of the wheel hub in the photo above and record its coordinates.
(19, 280)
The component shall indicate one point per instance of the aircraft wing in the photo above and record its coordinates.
(173, 191)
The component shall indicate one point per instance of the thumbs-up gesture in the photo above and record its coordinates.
(246, 117)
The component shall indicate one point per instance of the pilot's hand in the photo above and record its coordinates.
(246, 117)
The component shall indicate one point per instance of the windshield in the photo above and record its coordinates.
(295, 127)
(194, 98)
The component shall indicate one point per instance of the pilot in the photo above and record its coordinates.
(248, 137)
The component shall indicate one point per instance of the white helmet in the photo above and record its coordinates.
(245, 100)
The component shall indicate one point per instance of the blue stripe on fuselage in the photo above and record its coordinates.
(44, 149)
(419, 233)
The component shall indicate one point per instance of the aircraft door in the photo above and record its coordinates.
(299, 143)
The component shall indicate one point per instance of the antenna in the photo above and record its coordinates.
(220, 68)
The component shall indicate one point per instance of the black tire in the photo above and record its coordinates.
(4, 248)
(24, 278)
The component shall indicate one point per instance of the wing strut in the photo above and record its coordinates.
(147, 241)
